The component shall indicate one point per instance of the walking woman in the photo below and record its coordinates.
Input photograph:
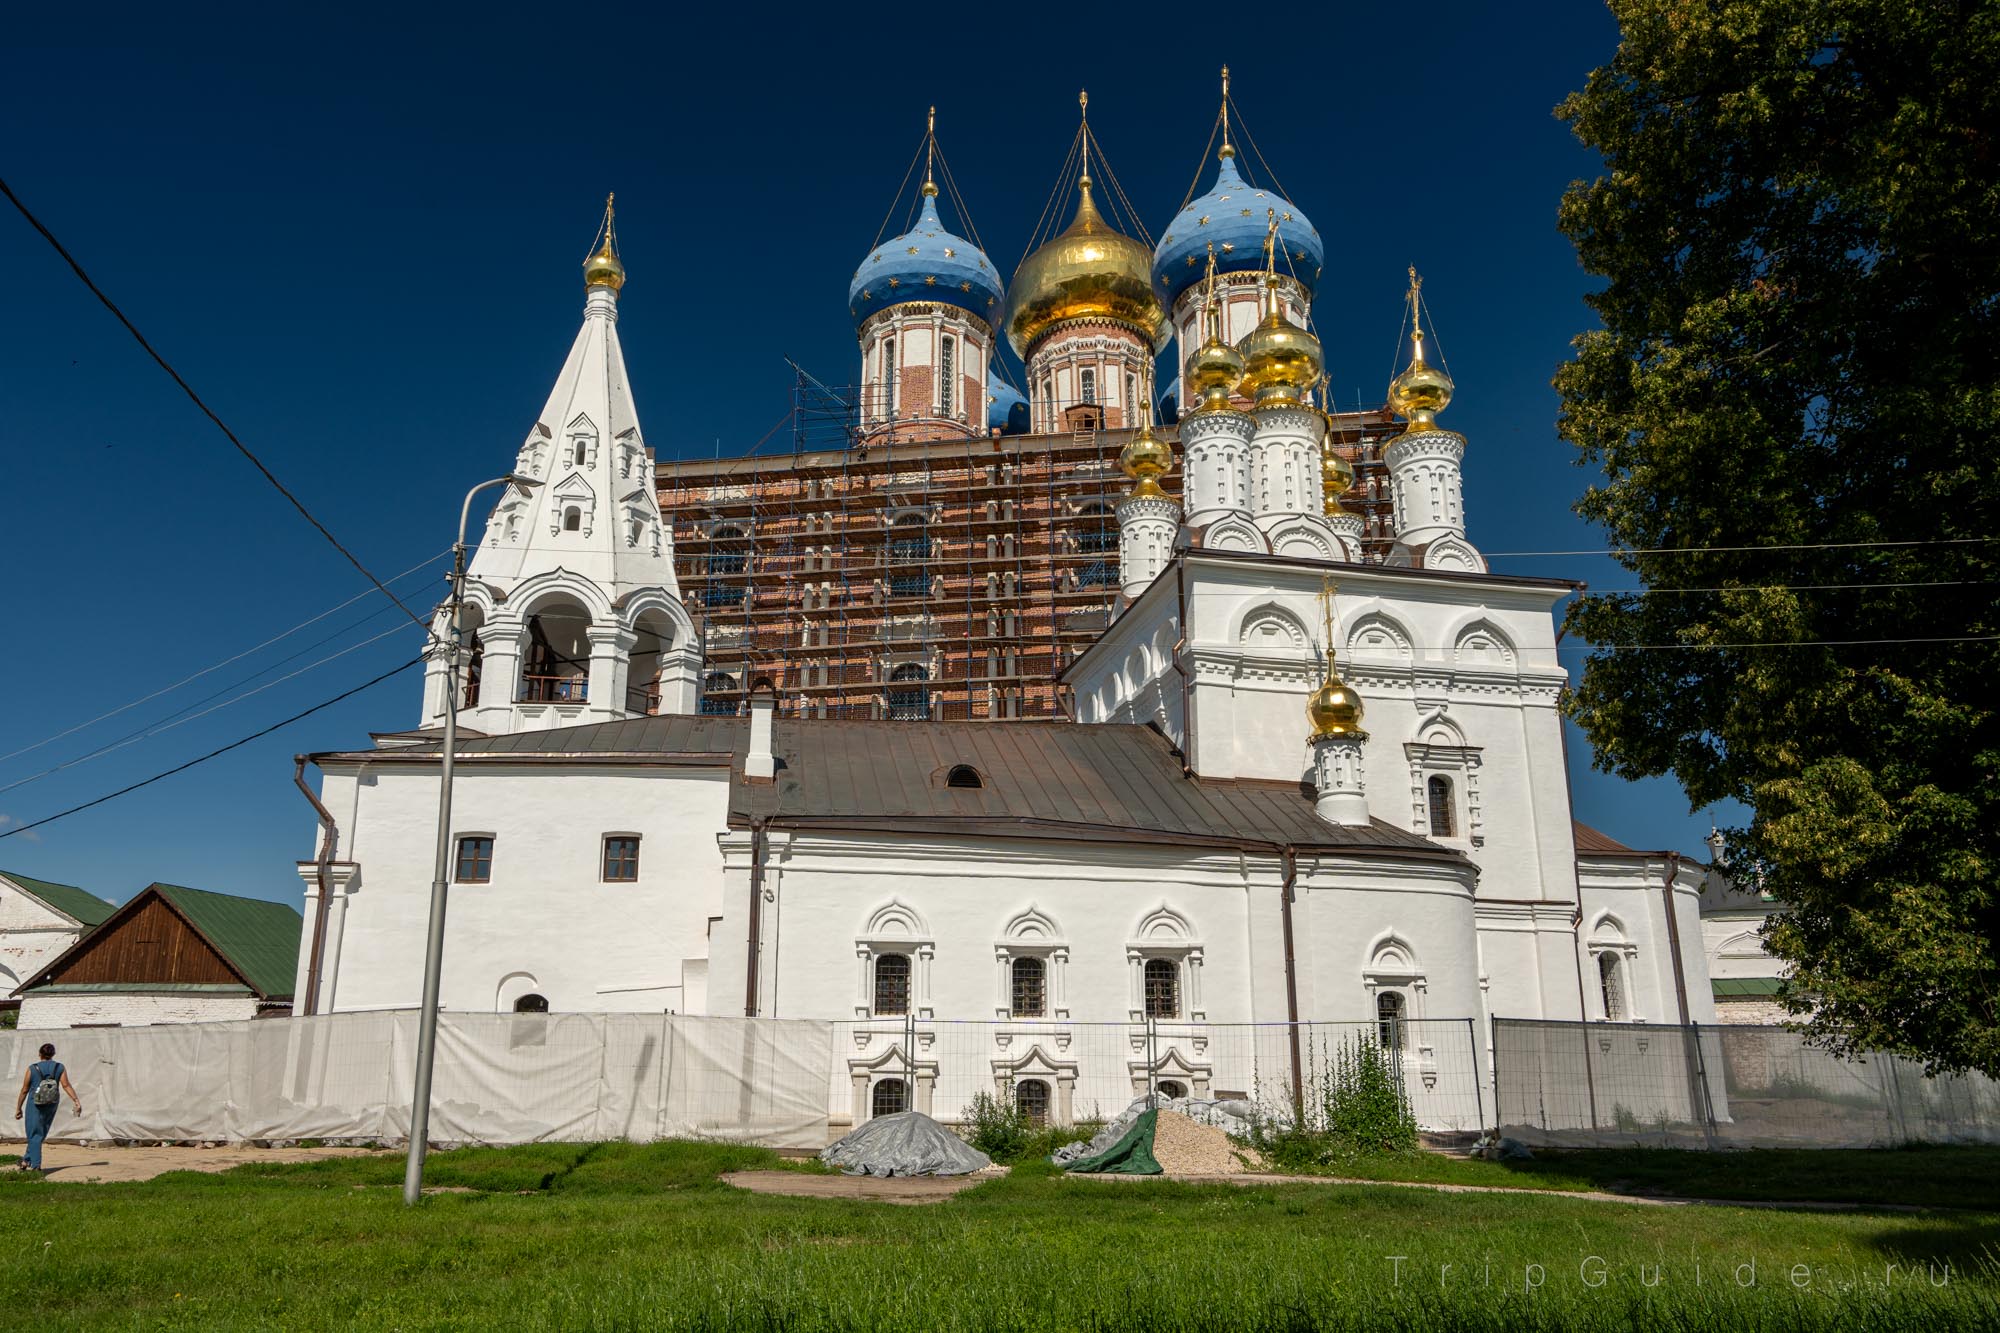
(41, 1092)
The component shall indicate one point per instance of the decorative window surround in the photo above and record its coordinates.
(1450, 758)
(1037, 1063)
(863, 1074)
(895, 927)
(1165, 933)
(1608, 936)
(1033, 934)
(1197, 1075)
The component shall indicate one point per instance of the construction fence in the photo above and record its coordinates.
(1672, 1086)
(799, 1083)
(792, 1083)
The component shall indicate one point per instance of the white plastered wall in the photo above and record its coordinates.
(31, 936)
(546, 923)
(131, 1008)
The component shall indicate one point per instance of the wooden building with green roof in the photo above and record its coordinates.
(171, 955)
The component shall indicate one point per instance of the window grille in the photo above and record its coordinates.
(947, 355)
(710, 686)
(1163, 988)
(621, 860)
(1441, 807)
(475, 861)
(1389, 1020)
(1031, 1098)
(1087, 378)
(912, 702)
(1030, 988)
(1097, 574)
(892, 985)
(891, 1097)
(1611, 981)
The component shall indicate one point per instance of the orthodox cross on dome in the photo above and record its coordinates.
(1228, 149)
(1328, 620)
(930, 154)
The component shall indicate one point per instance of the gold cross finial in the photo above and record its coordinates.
(1083, 102)
(1271, 241)
(610, 212)
(930, 154)
(1327, 588)
(1228, 150)
(1417, 311)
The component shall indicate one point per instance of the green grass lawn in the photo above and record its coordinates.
(1927, 1177)
(638, 1237)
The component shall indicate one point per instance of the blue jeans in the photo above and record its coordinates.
(41, 1119)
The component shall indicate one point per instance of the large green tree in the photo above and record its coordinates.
(1794, 399)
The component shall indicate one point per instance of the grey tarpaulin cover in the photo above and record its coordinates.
(908, 1143)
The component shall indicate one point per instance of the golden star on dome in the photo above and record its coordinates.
(949, 252)
(931, 280)
(894, 283)
(965, 286)
(913, 249)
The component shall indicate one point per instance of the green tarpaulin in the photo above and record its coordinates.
(1130, 1156)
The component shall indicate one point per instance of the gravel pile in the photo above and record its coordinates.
(1184, 1148)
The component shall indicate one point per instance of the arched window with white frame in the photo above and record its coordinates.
(889, 1096)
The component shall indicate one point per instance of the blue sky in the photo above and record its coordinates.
(359, 237)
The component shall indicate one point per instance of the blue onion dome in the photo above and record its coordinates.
(926, 263)
(1003, 404)
(1232, 216)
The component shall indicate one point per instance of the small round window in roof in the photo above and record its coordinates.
(963, 775)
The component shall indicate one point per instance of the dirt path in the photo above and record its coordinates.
(878, 1189)
(73, 1163)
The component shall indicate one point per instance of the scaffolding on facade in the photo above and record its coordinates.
(865, 575)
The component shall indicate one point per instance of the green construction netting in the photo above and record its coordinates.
(1130, 1156)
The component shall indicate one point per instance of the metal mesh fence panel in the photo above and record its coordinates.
(1664, 1085)
(1089, 1071)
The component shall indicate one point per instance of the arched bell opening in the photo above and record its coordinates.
(653, 638)
(557, 668)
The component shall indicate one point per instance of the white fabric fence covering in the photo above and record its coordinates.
(500, 1078)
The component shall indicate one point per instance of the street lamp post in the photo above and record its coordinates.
(427, 1017)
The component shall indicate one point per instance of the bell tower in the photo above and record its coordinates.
(572, 613)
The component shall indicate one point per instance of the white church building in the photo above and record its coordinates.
(1298, 787)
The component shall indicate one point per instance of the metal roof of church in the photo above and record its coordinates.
(1099, 782)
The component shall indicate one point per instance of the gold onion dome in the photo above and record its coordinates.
(1336, 477)
(1212, 373)
(1280, 359)
(603, 269)
(1090, 271)
(1145, 459)
(1334, 710)
(1421, 391)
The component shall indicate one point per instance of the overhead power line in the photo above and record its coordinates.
(1775, 546)
(196, 399)
(173, 720)
(234, 657)
(213, 754)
